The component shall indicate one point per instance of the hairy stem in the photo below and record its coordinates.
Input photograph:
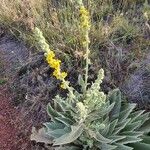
(87, 61)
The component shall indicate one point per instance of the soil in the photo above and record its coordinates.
(16, 122)
(13, 55)
(14, 128)
(14, 131)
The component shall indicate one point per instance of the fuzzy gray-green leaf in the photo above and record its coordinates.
(146, 139)
(100, 113)
(113, 125)
(40, 136)
(130, 139)
(115, 96)
(53, 125)
(123, 147)
(97, 136)
(121, 126)
(125, 113)
(52, 112)
(140, 146)
(145, 127)
(58, 132)
(65, 121)
(75, 132)
(67, 148)
(143, 117)
(116, 138)
(135, 115)
(105, 146)
(81, 82)
(132, 133)
(132, 126)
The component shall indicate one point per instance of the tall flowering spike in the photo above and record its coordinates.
(50, 57)
(84, 18)
(85, 27)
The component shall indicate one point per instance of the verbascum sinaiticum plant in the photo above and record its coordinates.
(91, 120)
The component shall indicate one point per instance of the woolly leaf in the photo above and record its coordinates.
(132, 133)
(106, 129)
(130, 139)
(140, 146)
(98, 137)
(58, 132)
(116, 138)
(67, 148)
(124, 114)
(81, 82)
(135, 115)
(76, 131)
(143, 117)
(122, 147)
(40, 136)
(53, 125)
(59, 103)
(106, 120)
(121, 126)
(52, 113)
(115, 96)
(65, 121)
(113, 125)
(145, 127)
(132, 126)
(100, 113)
(146, 139)
(105, 146)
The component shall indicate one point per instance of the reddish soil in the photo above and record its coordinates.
(14, 133)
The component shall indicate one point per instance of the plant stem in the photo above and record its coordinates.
(87, 60)
(69, 89)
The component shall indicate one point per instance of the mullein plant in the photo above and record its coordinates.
(89, 120)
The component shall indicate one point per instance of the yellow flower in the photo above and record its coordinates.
(55, 63)
(51, 54)
(83, 11)
(63, 85)
(63, 75)
(56, 73)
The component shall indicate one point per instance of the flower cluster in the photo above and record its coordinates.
(82, 110)
(84, 25)
(50, 57)
(55, 64)
(94, 98)
(84, 18)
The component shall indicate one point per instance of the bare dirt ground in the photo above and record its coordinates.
(13, 130)
(15, 123)
(13, 54)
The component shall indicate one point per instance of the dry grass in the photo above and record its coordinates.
(119, 27)
(58, 25)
